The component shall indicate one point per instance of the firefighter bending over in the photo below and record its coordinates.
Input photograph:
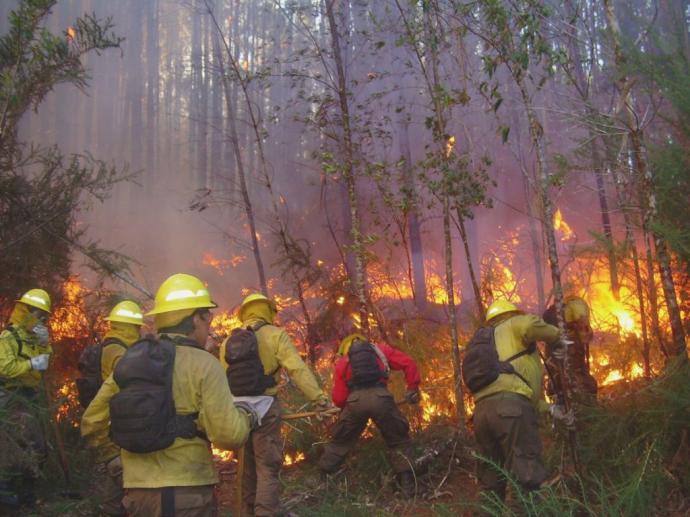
(504, 372)
(359, 387)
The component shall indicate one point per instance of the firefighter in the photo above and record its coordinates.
(179, 478)
(579, 331)
(505, 415)
(263, 455)
(359, 387)
(126, 319)
(24, 356)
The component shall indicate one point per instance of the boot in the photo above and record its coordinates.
(407, 484)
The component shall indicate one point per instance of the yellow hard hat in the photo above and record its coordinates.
(179, 292)
(499, 307)
(126, 312)
(37, 298)
(576, 309)
(258, 297)
(346, 343)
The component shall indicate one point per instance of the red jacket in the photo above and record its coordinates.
(397, 360)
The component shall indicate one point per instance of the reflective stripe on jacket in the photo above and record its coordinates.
(199, 385)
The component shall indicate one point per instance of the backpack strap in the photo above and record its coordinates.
(507, 367)
(254, 329)
(20, 342)
(382, 357)
(113, 341)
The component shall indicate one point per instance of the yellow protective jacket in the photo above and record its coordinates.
(514, 333)
(111, 355)
(276, 351)
(199, 385)
(128, 335)
(15, 369)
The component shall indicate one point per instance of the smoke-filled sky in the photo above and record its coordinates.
(159, 108)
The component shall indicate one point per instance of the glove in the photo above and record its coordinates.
(324, 407)
(41, 332)
(560, 350)
(559, 414)
(412, 396)
(247, 409)
(40, 362)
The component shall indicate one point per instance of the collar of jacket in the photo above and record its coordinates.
(181, 339)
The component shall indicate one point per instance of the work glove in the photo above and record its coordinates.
(413, 396)
(41, 332)
(560, 350)
(247, 409)
(324, 408)
(40, 362)
(559, 414)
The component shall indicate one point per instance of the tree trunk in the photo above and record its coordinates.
(646, 182)
(470, 267)
(413, 224)
(248, 208)
(348, 167)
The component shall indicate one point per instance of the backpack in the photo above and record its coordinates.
(142, 415)
(245, 372)
(364, 360)
(481, 366)
(90, 369)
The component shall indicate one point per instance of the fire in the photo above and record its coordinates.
(449, 145)
(70, 320)
(220, 265)
(560, 225)
(68, 405)
(291, 460)
(223, 322)
(71, 34)
(222, 455)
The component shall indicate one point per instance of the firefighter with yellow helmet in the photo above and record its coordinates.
(262, 346)
(96, 363)
(508, 394)
(24, 356)
(166, 457)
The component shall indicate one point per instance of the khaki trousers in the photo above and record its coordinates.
(263, 457)
(190, 501)
(378, 404)
(110, 487)
(507, 433)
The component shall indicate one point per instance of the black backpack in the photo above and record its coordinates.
(481, 366)
(366, 370)
(245, 372)
(90, 369)
(142, 415)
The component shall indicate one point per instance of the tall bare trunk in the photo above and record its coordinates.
(413, 224)
(470, 267)
(348, 167)
(646, 182)
(248, 208)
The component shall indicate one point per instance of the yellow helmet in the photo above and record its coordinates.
(127, 312)
(37, 298)
(499, 307)
(181, 292)
(346, 343)
(257, 297)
